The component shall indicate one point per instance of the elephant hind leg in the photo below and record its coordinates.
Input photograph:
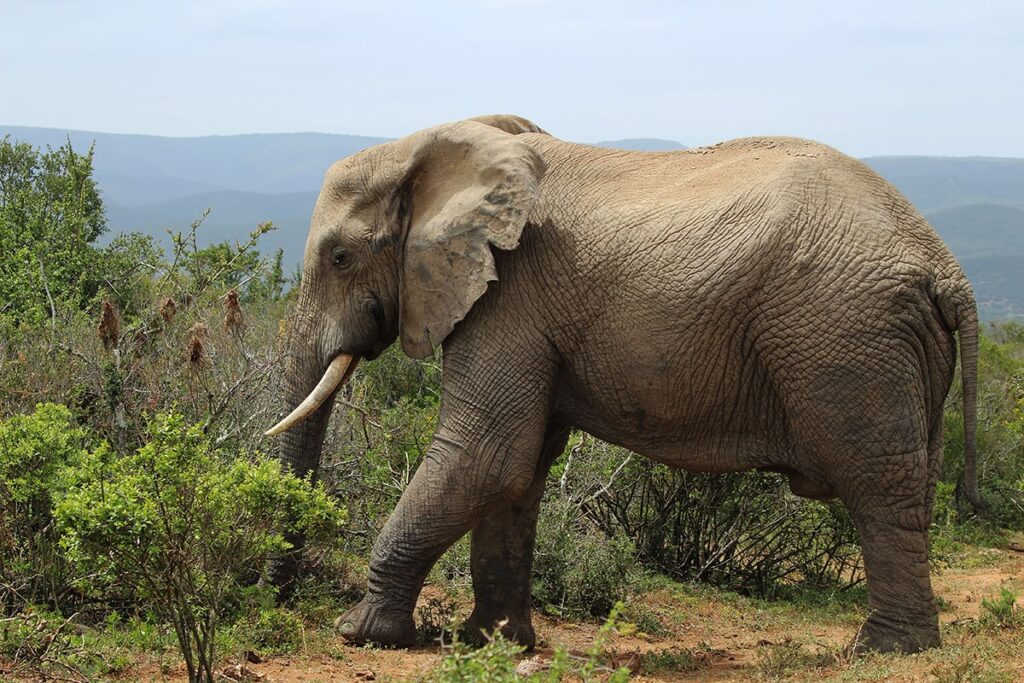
(501, 557)
(901, 610)
(893, 521)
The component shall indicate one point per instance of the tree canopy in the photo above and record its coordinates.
(51, 215)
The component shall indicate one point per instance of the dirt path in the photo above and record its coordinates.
(711, 636)
(735, 639)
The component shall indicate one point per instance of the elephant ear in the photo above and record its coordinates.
(471, 186)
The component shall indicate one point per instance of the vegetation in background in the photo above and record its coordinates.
(1000, 435)
(1001, 611)
(578, 570)
(743, 531)
(50, 218)
(180, 510)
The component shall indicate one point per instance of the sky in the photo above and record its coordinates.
(871, 78)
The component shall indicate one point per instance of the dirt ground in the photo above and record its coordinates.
(708, 635)
(736, 639)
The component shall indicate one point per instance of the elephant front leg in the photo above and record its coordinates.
(501, 558)
(451, 491)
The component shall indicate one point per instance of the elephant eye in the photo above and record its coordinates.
(340, 257)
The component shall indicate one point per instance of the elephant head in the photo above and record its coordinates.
(399, 245)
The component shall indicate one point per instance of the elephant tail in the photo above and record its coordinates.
(967, 328)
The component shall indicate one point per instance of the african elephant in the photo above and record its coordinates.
(763, 303)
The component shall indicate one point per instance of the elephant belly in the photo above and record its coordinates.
(697, 452)
(680, 410)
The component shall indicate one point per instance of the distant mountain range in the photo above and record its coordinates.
(152, 183)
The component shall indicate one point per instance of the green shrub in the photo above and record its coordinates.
(50, 216)
(375, 450)
(1001, 611)
(272, 631)
(780, 661)
(678, 659)
(185, 525)
(495, 662)
(35, 451)
(394, 377)
(578, 571)
(435, 619)
(644, 619)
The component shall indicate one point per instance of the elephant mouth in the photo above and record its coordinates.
(337, 373)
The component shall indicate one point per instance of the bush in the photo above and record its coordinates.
(495, 662)
(186, 525)
(578, 571)
(743, 531)
(377, 437)
(783, 660)
(1001, 611)
(35, 452)
(435, 619)
(678, 659)
(273, 631)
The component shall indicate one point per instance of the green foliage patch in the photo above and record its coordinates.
(184, 524)
(1002, 610)
(579, 571)
(36, 453)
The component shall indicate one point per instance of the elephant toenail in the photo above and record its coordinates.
(347, 628)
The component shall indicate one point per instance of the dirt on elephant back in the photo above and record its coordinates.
(708, 635)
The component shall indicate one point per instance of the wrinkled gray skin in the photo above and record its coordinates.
(764, 303)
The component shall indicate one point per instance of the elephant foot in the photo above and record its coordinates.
(370, 622)
(478, 628)
(883, 635)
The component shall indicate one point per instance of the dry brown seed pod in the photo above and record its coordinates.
(109, 327)
(234, 322)
(196, 350)
(168, 308)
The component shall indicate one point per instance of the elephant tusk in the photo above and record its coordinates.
(337, 373)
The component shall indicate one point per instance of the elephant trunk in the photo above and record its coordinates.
(301, 446)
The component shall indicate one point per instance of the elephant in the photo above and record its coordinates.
(764, 303)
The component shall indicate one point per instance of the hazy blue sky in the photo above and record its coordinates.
(893, 77)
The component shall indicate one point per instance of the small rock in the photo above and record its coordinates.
(365, 675)
(531, 666)
(240, 672)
